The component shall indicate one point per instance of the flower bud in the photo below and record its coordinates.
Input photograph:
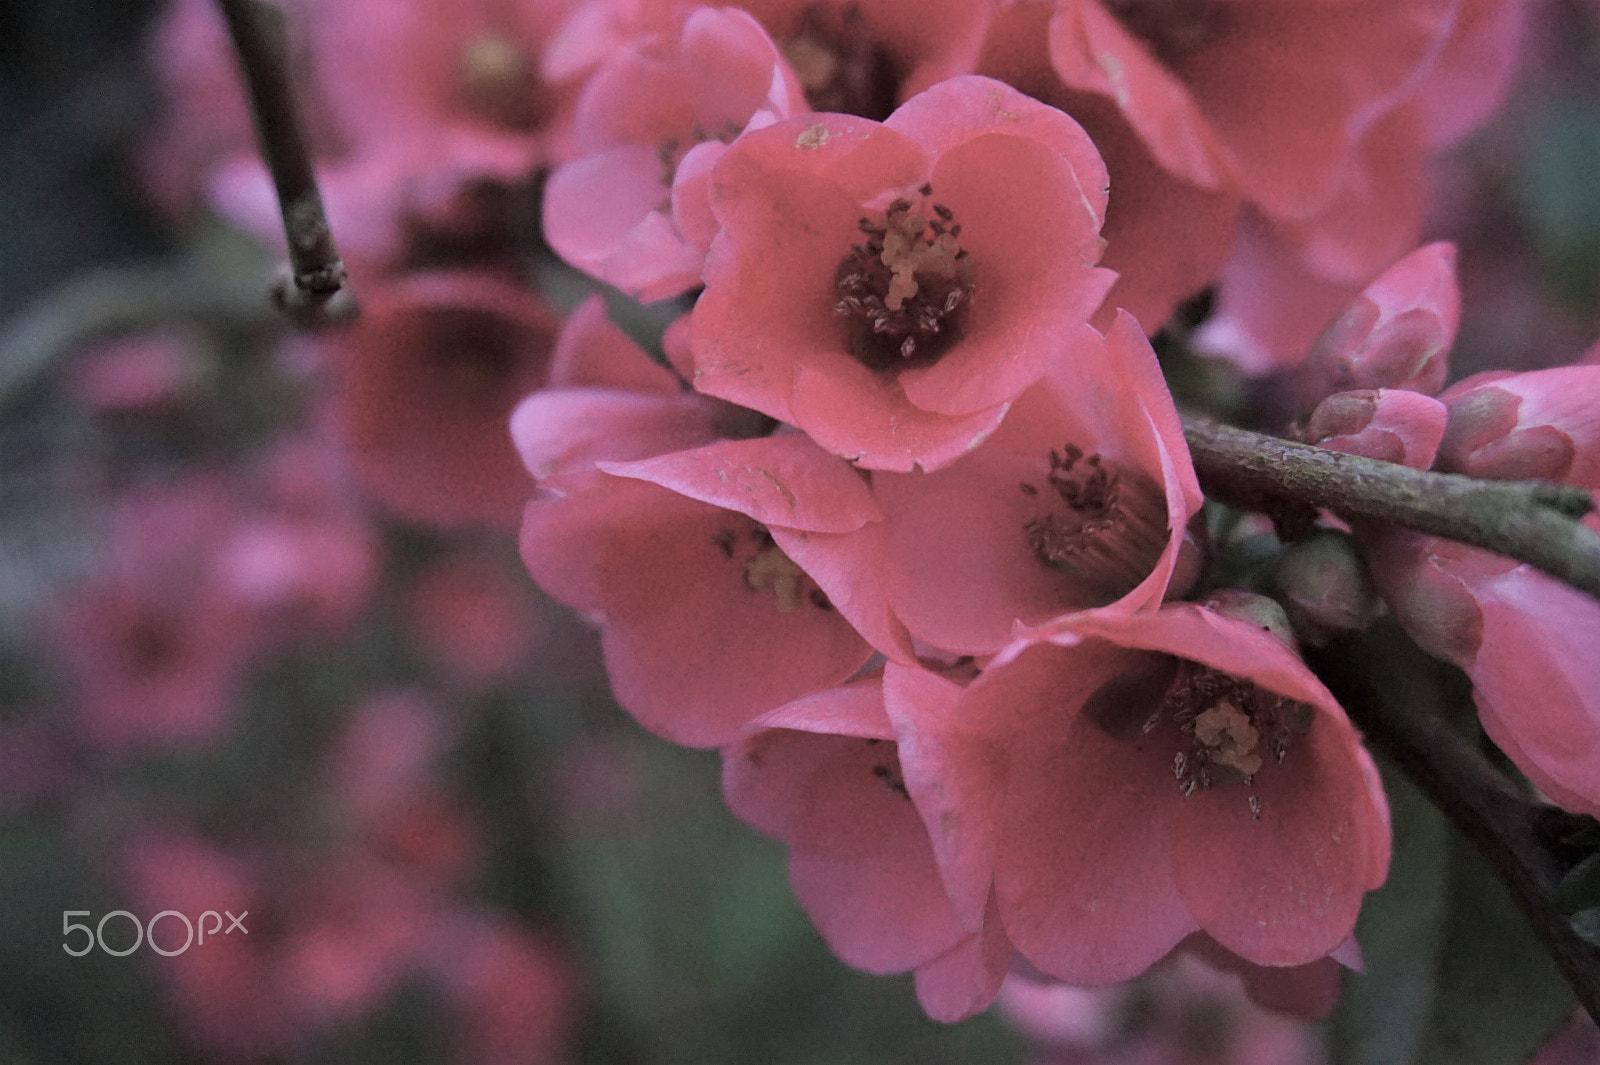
(1387, 423)
(1259, 610)
(1397, 333)
(1519, 426)
(1431, 602)
(1325, 588)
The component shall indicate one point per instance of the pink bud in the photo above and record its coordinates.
(1544, 424)
(1433, 604)
(1397, 333)
(1390, 424)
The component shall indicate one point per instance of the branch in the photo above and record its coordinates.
(1515, 833)
(260, 35)
(1531, 521)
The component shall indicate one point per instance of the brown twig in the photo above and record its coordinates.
(1531, 521)
(317, 274)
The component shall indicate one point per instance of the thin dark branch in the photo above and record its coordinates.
(1508, 827)
(260, 35)
(1531, 521)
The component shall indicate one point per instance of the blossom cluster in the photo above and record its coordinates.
(902, 520)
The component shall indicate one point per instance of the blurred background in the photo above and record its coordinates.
(242, 669)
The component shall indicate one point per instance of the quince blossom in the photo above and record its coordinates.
(892, 288)
(719, 577)
(651, 123)
(1245, 805)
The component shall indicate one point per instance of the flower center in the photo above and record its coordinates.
(767, 568)
(904, 287)
(840, 67)
(1171, 28)
(499, 82)
(1229, 727)
(1104, 525)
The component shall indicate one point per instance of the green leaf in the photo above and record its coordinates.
(1455, 975)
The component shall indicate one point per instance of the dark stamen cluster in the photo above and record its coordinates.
(766, 567)
(842, 69)
(904, 286)
(1229, 724)
(1091, 490)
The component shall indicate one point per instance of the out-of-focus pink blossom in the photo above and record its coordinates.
(891, 289)
(224, 991)
(511, 992)
(1291, 275)
(150, 373)
(851, 57)
(425, 383)
(1184, 1011)
(154, 642)
(1080, 498)
(472, 619)
(634, 208)
(302, 558)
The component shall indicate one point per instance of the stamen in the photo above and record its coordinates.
(903, 286)
(1223, 721)
(1111, 526)
(766, 568)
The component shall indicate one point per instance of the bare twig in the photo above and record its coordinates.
(1530, 521)
(260, 35)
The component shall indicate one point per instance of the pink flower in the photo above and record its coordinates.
(472, 620)
(975, 215)
(721, 578)
(154, 642)
(224, 992)
(1291, 273)
(823, 775)
(1166, 235)
(426, 381)
(852, 57)
(512, 994)
(1273, 96)
(1080, 498)
(607, 401)
(462, 74)
(1133, 778)
(634, 208)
